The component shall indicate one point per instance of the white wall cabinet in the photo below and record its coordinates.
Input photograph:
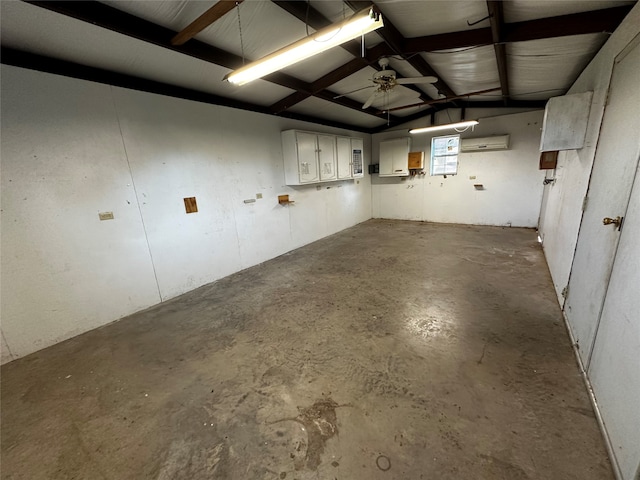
(316, 157)
(394, 157)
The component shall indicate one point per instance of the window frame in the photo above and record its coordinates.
(448, 156)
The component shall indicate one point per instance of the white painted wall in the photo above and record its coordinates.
(72, 148)
(561, 210)
(613, 371)
(512, 181)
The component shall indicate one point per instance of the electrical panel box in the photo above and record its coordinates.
(311, 157)
(565, 122)
(394, 157)
(357, 157)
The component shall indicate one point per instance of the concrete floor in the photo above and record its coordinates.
(392, 350)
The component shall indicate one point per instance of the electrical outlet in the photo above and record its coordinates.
(105, 215)
(472, 177)
(258, 195)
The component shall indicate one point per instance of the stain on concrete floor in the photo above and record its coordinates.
(445, 341)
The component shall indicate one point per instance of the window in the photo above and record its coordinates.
(444, 155)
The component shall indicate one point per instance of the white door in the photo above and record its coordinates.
(615, 364)
(343, 151)
(327, 157)
(608, 196)
(307, 145)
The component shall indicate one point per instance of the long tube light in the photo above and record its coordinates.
(468, 123)
(362, 22)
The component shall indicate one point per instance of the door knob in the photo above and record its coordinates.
(613, 221)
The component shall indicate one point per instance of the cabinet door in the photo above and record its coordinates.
(327, 157)
(394, 157)
(343, 150)
(357, 157)
(307, 157)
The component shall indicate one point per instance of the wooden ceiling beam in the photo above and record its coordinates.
(396, 41)
(216, 12)
(320, 84)
(496, 19)
(460, 104)
(445, 41)
(41, 63)
(118, 21)
(598, 21)
(316, 20)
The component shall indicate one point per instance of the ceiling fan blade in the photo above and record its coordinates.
(406, 81)
(370, 100)
(444, 99)
(352, 91)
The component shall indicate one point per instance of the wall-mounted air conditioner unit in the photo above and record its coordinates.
(496, 142)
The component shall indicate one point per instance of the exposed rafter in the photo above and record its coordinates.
(304, 12)
(598, 21)
(320, 84)
(461, 104)
(127, 24)
(396, 41)
(203, 21)
(496, 19)
(9, 56)
(498, 34)
(443, 100)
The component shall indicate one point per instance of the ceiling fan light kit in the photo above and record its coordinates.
(361, 23)
(435, 128)
(386, 79)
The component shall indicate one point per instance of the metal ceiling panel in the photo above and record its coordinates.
(415, 18)
(523, 10)
(36, 30)
(319, 108)
(466, 69)
(317, 66)
(173, 14)
(540, 69)
(362, 78)
(255, 18)
(334, 10)
(259, 37)
(405, 112)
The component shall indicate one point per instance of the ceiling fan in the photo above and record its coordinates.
(385, 80)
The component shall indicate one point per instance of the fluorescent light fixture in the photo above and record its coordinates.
(362, 22)
(469, 123)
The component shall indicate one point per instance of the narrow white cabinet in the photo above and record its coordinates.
(394, 157)
(343, 150)
(350, 157)
(327, 157)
